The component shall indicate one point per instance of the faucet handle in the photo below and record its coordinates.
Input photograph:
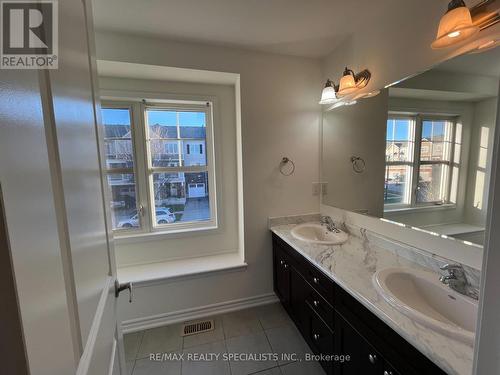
(451, 267)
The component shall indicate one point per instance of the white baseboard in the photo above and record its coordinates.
(139, 324)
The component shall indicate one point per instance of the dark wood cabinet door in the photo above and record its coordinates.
(320, 339)
(282, 276)
(298, 294)
(363, 358)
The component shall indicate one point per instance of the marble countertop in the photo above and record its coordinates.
(352, 265)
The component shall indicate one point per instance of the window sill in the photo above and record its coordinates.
(448, 206)
(151, 236)
(153, 273)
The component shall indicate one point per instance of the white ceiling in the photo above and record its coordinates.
(310, 28)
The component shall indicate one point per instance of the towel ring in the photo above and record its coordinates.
(358, 164)
(284, 162)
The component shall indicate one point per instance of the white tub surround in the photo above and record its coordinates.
(352, 266)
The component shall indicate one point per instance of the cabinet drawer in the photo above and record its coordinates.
(320, 306)
(319, 281)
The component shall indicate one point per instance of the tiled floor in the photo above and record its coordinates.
(264, 329)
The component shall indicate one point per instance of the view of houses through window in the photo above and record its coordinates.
(173, 174)
(422, 160)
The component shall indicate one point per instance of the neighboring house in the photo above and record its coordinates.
(168, 149)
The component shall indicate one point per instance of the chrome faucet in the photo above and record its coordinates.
(457, 281)
(330, 225)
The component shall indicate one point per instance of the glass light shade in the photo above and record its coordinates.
(347, 85)
(328, 95)
(455, 26)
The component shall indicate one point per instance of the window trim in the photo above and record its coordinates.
(416, 163)
(143, 171)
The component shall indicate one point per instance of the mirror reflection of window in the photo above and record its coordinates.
(421, 163)
(481, 168)
(399, 160)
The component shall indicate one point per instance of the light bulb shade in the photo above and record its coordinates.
(347, 84)
(328, 96)
(455, 26)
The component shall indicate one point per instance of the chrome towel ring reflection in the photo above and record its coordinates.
(287, 162)
(358, 164)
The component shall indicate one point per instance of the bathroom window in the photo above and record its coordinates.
(176, 186)
(422, 161)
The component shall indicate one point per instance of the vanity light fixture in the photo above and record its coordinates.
(349, 83)
(329, 94)
(455, 26)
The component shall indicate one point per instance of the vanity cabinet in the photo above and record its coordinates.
(332, 322)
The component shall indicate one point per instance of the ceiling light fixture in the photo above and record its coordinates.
(349, 83)
(455, 26)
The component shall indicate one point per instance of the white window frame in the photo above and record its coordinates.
(415, 164)
(143, 170)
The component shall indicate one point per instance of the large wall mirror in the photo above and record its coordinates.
(420, 152)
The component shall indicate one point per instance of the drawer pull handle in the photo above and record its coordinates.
(388, 372)
(316, 303)
(285, 265)
(372, 358)
(282, 262)
(316, 336)
(315, 280)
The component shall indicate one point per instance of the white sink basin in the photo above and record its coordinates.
(422, 297)
(318, 234)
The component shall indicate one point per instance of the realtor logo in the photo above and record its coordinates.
(29, 35)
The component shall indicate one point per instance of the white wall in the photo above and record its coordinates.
(280, 116)
(356, 130)
(225, 238)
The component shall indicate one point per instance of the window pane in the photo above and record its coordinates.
(123, 201)
(193, 153)
(166, 127)
(397, 184)
(399, 151)
(164, 153)
(118, 138)
(192, 125)
(432, 183)
(399, 129)
(119, 154)
(184, 195)
(436, 140)
(399, 140)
